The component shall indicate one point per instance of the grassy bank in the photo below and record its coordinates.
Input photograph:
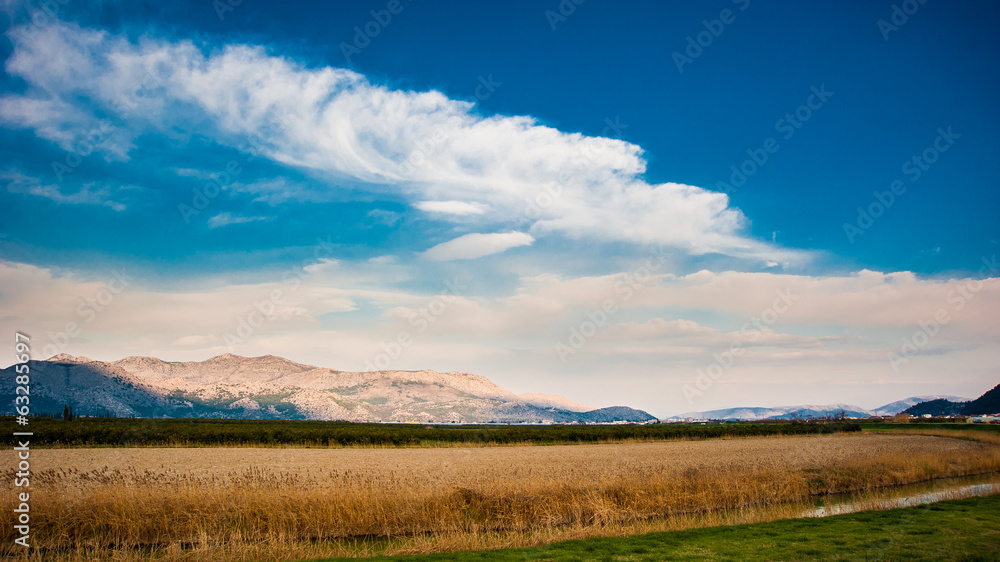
(961, 530)
(146, 432)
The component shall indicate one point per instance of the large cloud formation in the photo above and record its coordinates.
(510, 172)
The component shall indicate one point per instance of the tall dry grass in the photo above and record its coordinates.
(968, 434)
(136, 512)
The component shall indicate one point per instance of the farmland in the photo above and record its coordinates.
(295, 502)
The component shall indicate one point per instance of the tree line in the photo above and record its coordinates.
(222, 432)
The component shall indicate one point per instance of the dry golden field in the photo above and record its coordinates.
(243, 504)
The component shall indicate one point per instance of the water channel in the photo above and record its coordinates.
(906, 496)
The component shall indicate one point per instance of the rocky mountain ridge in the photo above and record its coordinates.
(231, 386)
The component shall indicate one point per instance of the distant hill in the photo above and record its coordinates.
(270, 387)
(939, 407)
(898, 406)
(812, 411)
(613, 414)
(780, 412)
(988, 403)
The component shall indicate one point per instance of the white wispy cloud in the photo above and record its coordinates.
(471, 246)
(460, 208)
(225, 219)
(433, 151)
(277, 191)
(86, 194)
(382, 216)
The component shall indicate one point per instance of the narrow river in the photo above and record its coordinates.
(906, 496)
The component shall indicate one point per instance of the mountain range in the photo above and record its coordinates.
(270, 387)
(811, 411)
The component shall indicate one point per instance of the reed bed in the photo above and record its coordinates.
(193, 504)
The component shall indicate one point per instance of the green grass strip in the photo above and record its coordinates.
(961, 530)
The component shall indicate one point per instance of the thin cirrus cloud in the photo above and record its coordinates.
(87, 194)
(459, 208)
(226, 219)
(472, 246)
(432, 151)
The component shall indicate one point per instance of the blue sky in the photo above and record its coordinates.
(536, 152)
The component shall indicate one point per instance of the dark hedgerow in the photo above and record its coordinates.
(127, 432)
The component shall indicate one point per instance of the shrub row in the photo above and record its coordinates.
(208, 432)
